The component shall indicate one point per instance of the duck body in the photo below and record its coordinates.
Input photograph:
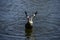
(28, 25)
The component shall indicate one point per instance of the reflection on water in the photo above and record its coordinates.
(28, 33)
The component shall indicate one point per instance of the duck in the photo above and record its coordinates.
(29, 23)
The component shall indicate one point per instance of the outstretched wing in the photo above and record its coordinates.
(26, 13)
(34, 15)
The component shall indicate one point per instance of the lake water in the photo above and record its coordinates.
(46, 23)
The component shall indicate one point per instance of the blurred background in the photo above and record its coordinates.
(46, 23)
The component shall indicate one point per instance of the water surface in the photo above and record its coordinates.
(46, 23)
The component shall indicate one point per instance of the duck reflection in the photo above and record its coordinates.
(29, 25)
(28, 32)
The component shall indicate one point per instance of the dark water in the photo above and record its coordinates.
(46, 23)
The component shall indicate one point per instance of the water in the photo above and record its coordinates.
(46, 23)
